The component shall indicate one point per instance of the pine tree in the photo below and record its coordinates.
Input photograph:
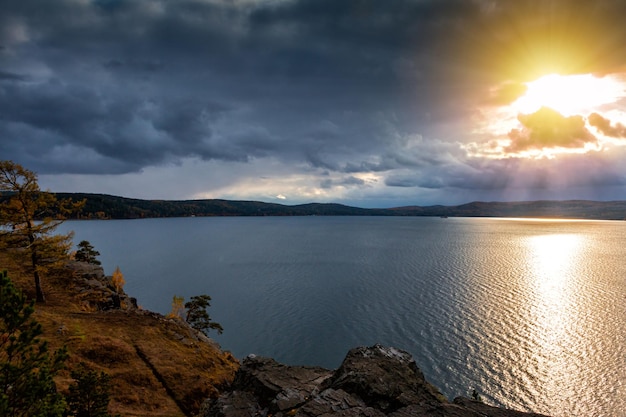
(27, 388)
(87, 253)
(89, 394)
(197, 315)
(32, 242)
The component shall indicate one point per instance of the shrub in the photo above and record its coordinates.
(118, 279)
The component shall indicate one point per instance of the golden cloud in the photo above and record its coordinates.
(604, 125)
(547, 128)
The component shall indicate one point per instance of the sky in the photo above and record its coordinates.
(361, 102)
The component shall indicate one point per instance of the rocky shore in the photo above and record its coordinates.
(372, 381)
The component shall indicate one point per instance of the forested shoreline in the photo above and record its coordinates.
(102, 206)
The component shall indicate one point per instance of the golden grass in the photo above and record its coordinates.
(154, 371)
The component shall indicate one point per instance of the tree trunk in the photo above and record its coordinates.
(40, 297)
(33, 258)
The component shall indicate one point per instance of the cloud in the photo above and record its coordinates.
(506, 93)
(604, 125)
(349, 181)
(547, 128)
(348, 96)
(4, 75)
(516, 178)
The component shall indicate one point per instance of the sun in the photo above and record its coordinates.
(569, 94)
(552, 115)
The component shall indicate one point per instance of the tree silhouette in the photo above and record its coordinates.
(197, 315)
(87, 253)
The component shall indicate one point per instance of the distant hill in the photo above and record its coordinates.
(112, 207)
(567, 209)
(102, 206)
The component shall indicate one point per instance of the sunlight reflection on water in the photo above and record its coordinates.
(554, 260)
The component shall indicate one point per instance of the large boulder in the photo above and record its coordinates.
(374, 381)
(385, 378)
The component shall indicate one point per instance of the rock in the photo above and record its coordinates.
(87, 270)
(374, 381)
(337, 402)
(278, 387)
(94, 283)
(96, 290)
(385, 378)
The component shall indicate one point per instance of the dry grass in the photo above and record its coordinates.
(157, 365)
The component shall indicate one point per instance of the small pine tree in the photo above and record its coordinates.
(27, 370)
(118, 279)
(87, 253)
(178, 308)
(198, 317)
(89, 395)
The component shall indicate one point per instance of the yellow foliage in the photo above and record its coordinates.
(118, 279)
(178, 308)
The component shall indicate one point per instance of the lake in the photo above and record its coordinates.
(530, 313)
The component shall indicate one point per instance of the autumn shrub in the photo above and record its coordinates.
(118, 279)
(178, 308)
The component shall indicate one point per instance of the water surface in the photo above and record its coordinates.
(531, 313)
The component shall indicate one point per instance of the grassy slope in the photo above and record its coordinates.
(158, 367)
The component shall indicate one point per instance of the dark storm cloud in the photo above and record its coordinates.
(547, 128)
(132, 65)
(337, 85)
(466, 174)
(9, 76)
(133, 130)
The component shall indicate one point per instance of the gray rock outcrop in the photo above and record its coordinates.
(372, 381)
(96, 291)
